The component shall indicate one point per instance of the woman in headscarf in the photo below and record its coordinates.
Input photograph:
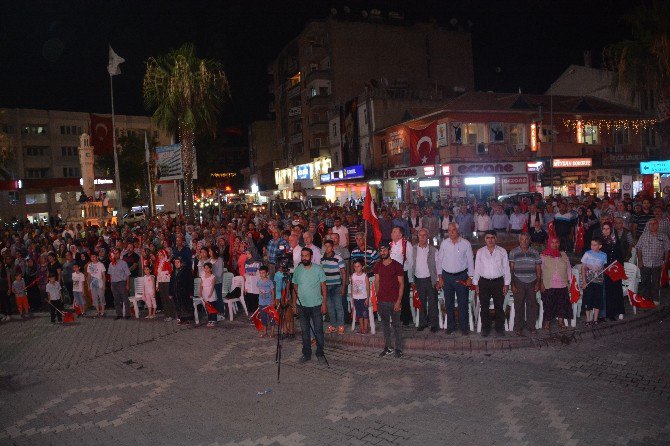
(614, 303)
(181, 291)
(556, 278)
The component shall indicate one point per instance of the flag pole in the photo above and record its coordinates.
(601, 273)
(117, 179)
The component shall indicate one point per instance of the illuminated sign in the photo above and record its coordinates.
(325, 178)
(533, 137)
(352, 172)
(403, 173)
(303, 172)
(479, 181)
(446, 169)
(489, 168)
(535, 166)
(580, 133)
(649, 167)
(429, 183)
(429, 171)
(572, 162)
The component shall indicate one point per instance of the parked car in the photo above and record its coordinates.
(317, 202)
(520, 196)
(134, 217)
(285, 207)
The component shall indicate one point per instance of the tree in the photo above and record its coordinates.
(132, 164)
(643, 63)
(186, 95)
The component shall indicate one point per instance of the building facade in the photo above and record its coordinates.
(263, 155)
(321, 72)
(491, 144)
(45, 161)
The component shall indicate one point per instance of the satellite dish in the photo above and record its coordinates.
(347, 9)
(364, 14)
(333, 11)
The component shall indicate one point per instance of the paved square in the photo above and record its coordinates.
(153, 382)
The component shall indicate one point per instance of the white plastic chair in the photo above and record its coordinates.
(138, 296)
(509, 301)
(632, 282)
(473, 308)
(577, 306)
(197, 300)
(237, 282)
(538, 323)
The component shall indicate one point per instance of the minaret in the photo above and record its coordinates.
(86, 162)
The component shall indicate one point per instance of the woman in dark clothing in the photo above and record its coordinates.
(591, 226)
(181, 291)
(614, 303)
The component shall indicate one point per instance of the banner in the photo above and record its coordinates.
(648, 184)
(456, 133)
(626, 186)
(101, 135)
(441, 135)
(349, 126)
(169, 164)
(423, 146)
(665, 185)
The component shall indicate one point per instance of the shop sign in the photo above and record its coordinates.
(571, 163)
(488, 168)
(649, 167)
(405, 172)
(627, 185)
(534, 166)
(621, 159)
(512, 184)
(303, 172)
(605, 174)
(446, 169)
(352, 172)
(324, 178)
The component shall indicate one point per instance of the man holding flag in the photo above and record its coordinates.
(652, 254)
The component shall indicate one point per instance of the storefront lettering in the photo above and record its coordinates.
(515, 180)
(485, 168)
(402, 173)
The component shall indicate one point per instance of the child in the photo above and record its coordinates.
(55, 299)
(21, 294)
(266, 296)
(208, 294)
(538, 236)
(360, 292)
(78, 288)
(283, 294)
(149, 296)
(593, 264)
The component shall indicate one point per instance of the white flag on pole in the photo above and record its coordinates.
(114, 61)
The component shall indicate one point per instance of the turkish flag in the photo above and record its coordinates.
(575, 294)
(373, 297)
(102, 135)
(550, 229)
(579, 239)
(416, 302)
(77, 309)
(422, 145)
(465, 284)
(210, 308)
(370, 216)
(272, 312)
(525, 226)
(640, 302)
(256, 319)
(616, 271)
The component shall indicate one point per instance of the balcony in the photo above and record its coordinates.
(320, 100)
(322, 73)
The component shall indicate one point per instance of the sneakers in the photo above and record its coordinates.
(387, 351)
(211, 325)
(340, 330)
(331, 329)
(398, 353)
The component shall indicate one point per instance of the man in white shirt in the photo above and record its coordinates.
(316, 252)
(295, 249)
(492, 279)
(517, 220)
(401, 252)
(342, 231)
(482, 221)
(423, 280)
(456, 264)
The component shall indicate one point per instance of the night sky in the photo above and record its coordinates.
(53, 54)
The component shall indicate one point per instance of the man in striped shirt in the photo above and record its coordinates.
(336, 285)
(525, 264)
(369, 256)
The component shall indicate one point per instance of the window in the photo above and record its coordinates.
(13, 197)
(71, 172)
(37, 173)
(517, 134)
(383, 146)
(66, 151)
(7, 128)
(323, 91)
(36, 151)
(333, 130)
(474, 133)
(649, 137)
(591, 134)
(35, 129)
(313, 92)
(58, 198)
(546, 133)
(36, 199)
(622, 135)
(317, 143)
(365, 116)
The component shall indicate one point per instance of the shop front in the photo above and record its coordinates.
(410, 183)
(301, 180)
(485, 180)
(344, 185)
(656, 176)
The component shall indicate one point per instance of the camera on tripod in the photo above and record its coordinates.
(284, 260)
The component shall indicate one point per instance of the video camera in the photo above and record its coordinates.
(284, 260)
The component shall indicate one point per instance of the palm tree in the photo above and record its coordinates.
(186, 94)
(643, 63)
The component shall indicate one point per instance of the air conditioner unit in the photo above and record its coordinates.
(482, 149)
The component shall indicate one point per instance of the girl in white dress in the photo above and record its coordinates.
(149, 297)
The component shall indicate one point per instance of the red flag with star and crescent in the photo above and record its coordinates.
(416, 301)
(579, 238)
(423, 145)
(616, 271)
(370, 216)
(101, 134)
(272, 312)
(640, 302)
(575, 294)
(256, 320)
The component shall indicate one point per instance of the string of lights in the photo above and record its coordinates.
(608, 124)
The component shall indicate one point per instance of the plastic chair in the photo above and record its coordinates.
(473, 308)
(509, 301)
(577, 306)
(237, 282)
(197, 300)
(138, 296)
(632, 282)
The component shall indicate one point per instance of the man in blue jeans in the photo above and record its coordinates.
(309, 291)
(457, 264)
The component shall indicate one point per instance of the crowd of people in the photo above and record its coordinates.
(310, 264)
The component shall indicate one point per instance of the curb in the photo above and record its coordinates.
(475, 343)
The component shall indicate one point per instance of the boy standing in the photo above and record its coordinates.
(593, 264)
(21, 294)
(78, 289)
(55, 299)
